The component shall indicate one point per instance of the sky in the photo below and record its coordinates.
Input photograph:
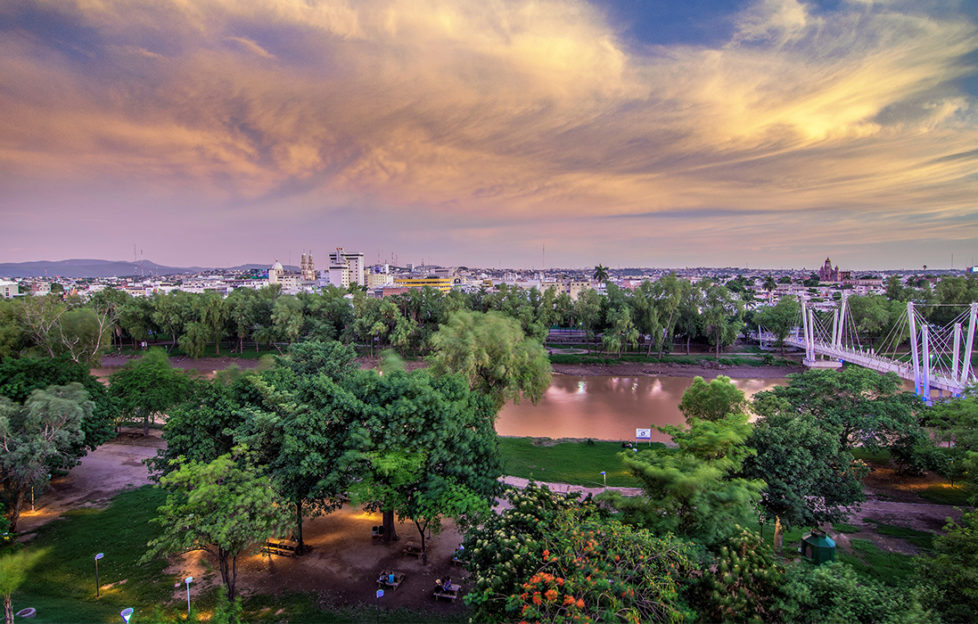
(495, 133)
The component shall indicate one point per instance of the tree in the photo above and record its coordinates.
(860, 406)
(711, 401)
(587, 309)
(742, 584)
(601, 273)
(621, 332)
(37, 437)
(779, 319)
(19, 377)
(811, 478)
(952, 569)
(149, 386)
(14, 567)
(223, 507)
(550, 557)
(492, 353)
(835, 592)
(722, 316)
(769, 283)
(693, 490)
(424, 447)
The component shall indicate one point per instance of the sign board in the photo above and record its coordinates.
(643, 434)
(99, 556)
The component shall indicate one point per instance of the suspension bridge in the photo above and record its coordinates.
(935, 357)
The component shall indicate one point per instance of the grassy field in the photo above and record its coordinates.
(578, 463)
(869, 559)
(946, 494)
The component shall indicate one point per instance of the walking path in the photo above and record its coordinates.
(562, 488)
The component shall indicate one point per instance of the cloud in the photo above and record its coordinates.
(522, 110)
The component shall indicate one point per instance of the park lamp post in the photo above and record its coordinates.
(188, 581)
(380, 593)
(126, 614)
(604, 477)
(97, 584)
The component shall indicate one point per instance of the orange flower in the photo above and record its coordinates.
(580, 603)
(551, 595)
(536, 598)
(568, 600)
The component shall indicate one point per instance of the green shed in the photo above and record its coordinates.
(817, 547)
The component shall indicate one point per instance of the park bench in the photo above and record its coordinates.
(281, 548)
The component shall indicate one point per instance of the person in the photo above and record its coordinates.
(390, 578)
(448, 584)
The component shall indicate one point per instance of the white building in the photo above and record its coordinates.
(9, 289)
(346, 268)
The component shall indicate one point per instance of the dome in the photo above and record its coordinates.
(277, 266)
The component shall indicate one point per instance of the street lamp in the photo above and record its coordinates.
(604, 477)
(380, 593)
(188, 581)
(97, 585)
(126, 614)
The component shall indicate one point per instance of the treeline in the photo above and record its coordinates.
(656, 316)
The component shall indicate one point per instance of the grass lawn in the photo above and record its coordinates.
(869, 559)
(578, 463)
(946, 494)
(920, 539)
(842, 527)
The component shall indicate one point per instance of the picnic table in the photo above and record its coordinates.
(377, 531)
(390, 579)
(282, 548)
(448, 591)
(413, 549)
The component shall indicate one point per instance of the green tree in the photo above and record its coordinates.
(223, 507)
(621, 332)
(742, 583)
(779, 319)
(19, 377)
(149, 386)
(550, 557)
(693, 490)
(14, 568)
(492, 353)
(834, 592)
(424, 447)
(600, 273)
(721, 316)
(37, 437)
(712, 401)
(951, 571)
(587, 310)
(810, 477)
(860, 406)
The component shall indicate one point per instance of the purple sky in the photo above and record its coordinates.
(652, 133)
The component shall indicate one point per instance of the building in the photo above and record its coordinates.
(275, 273)
(443, 284)
(827, 273)
(8, 289)
(346, 268)
(307, 268)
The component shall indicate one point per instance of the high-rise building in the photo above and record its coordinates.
(346, 268)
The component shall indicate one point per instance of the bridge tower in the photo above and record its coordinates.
(922, 358)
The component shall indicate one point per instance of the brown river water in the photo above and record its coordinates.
(606, 408)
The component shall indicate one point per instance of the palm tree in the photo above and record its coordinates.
(769, 283)
(601, 273)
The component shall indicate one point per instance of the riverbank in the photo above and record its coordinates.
(707, 369)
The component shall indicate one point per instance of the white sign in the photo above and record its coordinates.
(643, 434)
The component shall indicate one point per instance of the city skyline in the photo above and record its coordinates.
(627, 133)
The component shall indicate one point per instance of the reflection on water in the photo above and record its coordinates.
(606, 408)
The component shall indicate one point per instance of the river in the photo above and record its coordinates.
(606, 408)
